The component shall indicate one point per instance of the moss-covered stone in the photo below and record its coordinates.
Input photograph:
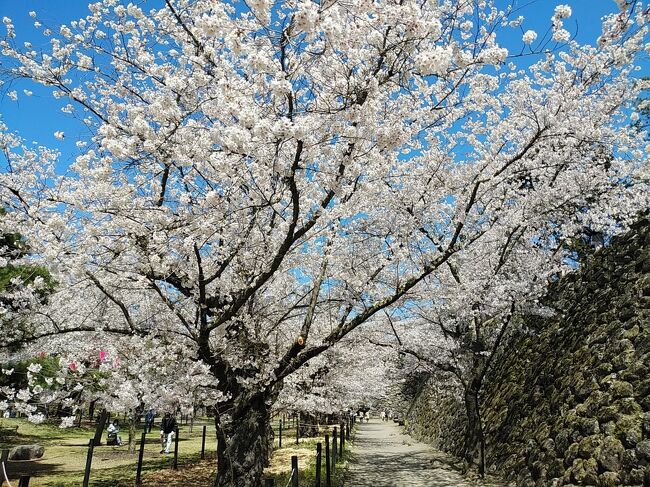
(585, 471)
(588, 446)
(608, 414)
(609, 479)
(621, 388)
(628, 429)
(642, 450)
(632, 333)
(635, 477)
(646, 425)
(588, 426)
(609, 454)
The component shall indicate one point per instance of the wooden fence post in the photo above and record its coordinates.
(175, 464)
(294, 471)
(89, 461)
(203, 443)
(334, 449)
(342, 442)
(138, 472)
(23, 481)
(328, 470)
(269, 483)
(280, 437)
(319, 454)
(297, 427)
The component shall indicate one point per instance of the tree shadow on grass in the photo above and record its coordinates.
(31, 468)
(154, 464)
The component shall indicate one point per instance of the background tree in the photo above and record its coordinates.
(22, 284)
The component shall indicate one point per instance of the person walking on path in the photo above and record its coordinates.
(167, 432)
(148, 420)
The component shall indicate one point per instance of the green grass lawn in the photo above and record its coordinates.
(305, 450)
(64, 460)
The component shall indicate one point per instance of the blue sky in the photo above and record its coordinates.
(37, 117)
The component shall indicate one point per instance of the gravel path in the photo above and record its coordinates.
(385, 457)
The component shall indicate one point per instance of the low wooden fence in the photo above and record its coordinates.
(334, 448)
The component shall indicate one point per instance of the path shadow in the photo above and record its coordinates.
(385, 456)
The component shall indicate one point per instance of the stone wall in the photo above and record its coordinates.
(437, 415)
(568, 402)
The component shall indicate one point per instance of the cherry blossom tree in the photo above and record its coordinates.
(463, 312)
(341, 379)
(263, 179)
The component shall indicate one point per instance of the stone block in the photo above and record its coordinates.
(26, 452)
(585, 472)
(609, 479)
(587, 446)
(643, 450)
(635, 477)
(621, 388)
(609, 454)
(646, 425)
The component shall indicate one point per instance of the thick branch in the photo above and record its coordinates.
(120, 304)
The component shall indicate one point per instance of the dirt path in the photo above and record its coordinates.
(385, 457)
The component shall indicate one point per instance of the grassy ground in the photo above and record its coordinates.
(280, 468)
(64, 460)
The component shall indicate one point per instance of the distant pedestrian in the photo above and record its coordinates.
(367, 415)
(167, 431)
(148, 420)
(382, 415)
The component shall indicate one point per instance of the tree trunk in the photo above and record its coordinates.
(99, 429)
(134, 420)
(132, 426)
(474, 439)
(308, 425)
(243, 447)
(91, 410)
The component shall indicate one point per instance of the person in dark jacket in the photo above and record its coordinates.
(167, 431)
(148, 420)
